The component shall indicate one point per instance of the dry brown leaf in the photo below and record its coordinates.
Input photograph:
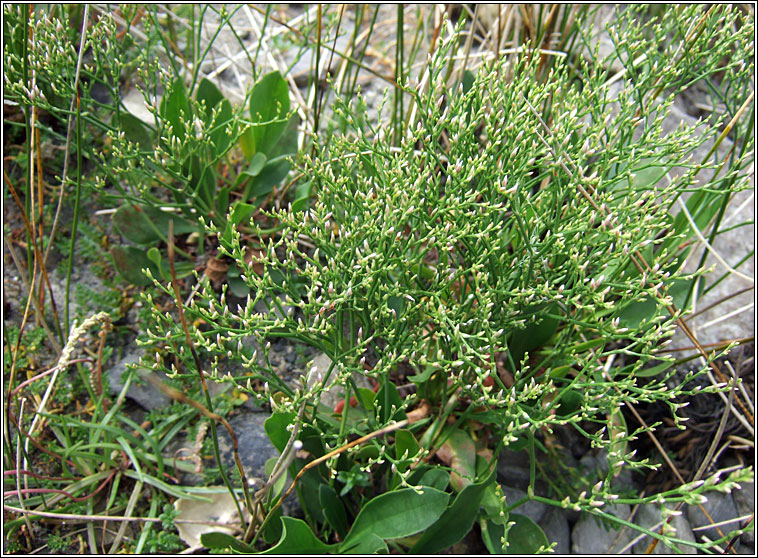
(220, 512)
(254, 254)
(215, 270)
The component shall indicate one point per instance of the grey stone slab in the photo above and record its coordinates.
(744, 499)
(720, 507)
(555, 524)
(533, 510)
(147, 396)
(591, 536)
(649, 516)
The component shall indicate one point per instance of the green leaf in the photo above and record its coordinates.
(398, 514)
(636, 311)
(368, 544)
(643, 372)
(302, 196)
(269, 102)
(208, 92)
(424, 375)
(435, 478)
(154, 255)
(525, 537)
(297, 538)
(492, 535)
(334, 509)
(241, 212)
(467, 81)
(225, 541)
(540, 327)
(222, 201)
(247, 143)
(279, 485)
(405, 441)
(175, 108)
(145, 224)
(273, 530)
(130, 261)
(459, 449)
(273, 173)
(388, 397)
(255, 166)
(134, 130)
(218, 133)
(202, 182)
(238, 286)
(571, 402)
(492, 503)
(276, 429)
(457, 520)
(366, 397)
(287, 144)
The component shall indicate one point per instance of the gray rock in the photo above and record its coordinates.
(732, 245)
(533, 510)
(590, 536)
(255, 449)
(254, 446)
(720, 507)
(601, 39)
(513, 468)
(649, 516)
(147, 396)
(556, 527)
(302, 67)
(596, 466)
(140, 390)
(334, 393)
(744, 499)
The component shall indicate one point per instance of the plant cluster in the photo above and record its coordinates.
(499, 257)
(513, 246)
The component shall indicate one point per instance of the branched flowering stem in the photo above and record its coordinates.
(209, 411)
(637, 259)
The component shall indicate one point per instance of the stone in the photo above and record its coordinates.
(140, 391)
(591, 536)
(721, 508)
(744, 499)
(254, 446)
(601, 39)
(533, 510)
(649, 516)
(513, 467)
(556, 527)
(733, 318)
(333, 393)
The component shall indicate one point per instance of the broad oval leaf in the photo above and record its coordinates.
(269, 105)
(457, 520)
(368, 544)
(525, 537)
(130, 261)
(175, 108)
(334, 509)
(297, 538)
(398, 514)
(276, 429)
(225, 541)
